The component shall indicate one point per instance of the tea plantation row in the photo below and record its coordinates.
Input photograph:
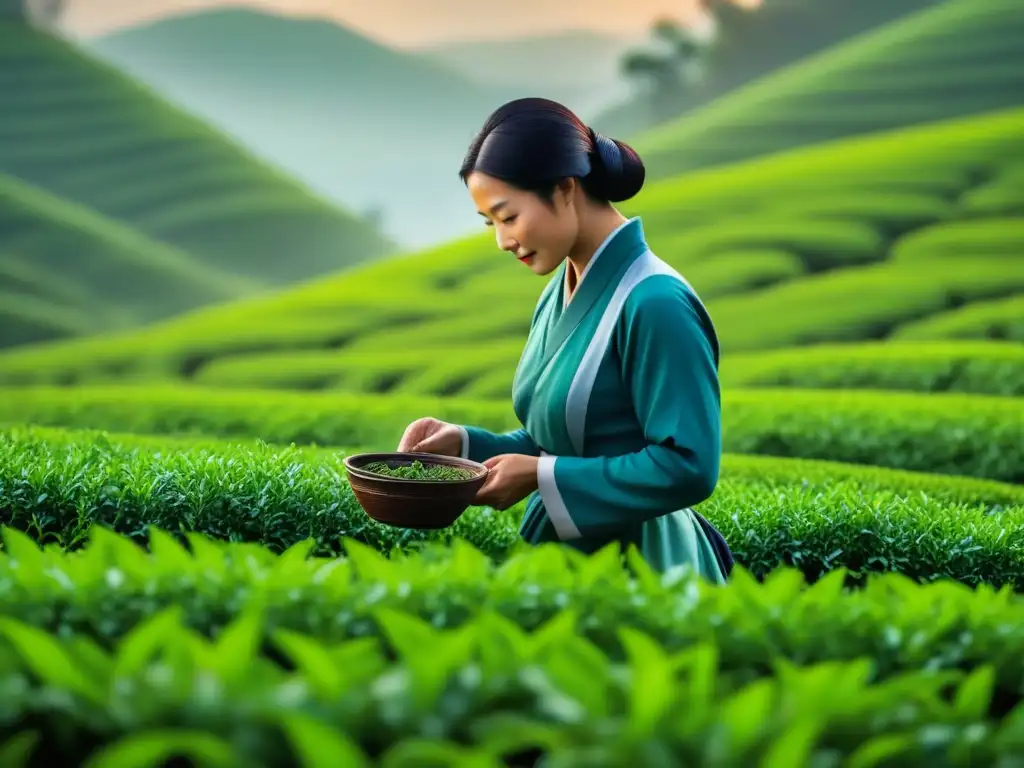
(981, 367)
(851, 241)
(817, 516)
(232, 655)
(956, 433)
(957, 57)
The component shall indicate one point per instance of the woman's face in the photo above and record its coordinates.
(538, 234)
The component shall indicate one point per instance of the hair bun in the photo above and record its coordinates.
(619, 173)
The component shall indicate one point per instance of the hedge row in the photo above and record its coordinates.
(233, 656)
(994, 319)
(981, 436)
(978, 367)
(817, 516)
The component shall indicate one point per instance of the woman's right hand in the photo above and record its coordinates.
(429, 435)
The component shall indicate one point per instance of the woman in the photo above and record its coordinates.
(617, 388)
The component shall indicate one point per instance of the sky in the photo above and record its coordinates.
(405, 23)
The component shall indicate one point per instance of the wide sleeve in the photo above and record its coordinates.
(479, 444)
(667, 351)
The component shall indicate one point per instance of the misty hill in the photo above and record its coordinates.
(754, 43)
(580, 68)
(84, 132)
(369, 126)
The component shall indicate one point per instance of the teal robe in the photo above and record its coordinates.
(617, 391)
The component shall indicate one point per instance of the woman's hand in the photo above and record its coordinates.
(513, 477)
(428, 435)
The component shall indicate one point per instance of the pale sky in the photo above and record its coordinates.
(406, 22)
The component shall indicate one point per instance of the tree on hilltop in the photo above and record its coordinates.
(40, 13)
(679, 54)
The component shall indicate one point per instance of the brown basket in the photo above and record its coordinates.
(408, 503)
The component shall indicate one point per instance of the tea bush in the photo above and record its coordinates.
(369, 370)
(233, 655)
(974, 435)
(858, 303)
(995, 319)
(800, 242)
(976, 238)
(979, 367)
(1001, 196)
(824, 243)
(816, 515)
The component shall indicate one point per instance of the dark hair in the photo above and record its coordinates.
(534, 143)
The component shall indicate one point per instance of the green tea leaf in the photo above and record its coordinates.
(138, 647)
(607, 561)
(651, 684)
(829, 587)
(93, 659)
(975, 693)
(368, 562)
(19, 546)
(17, 750)
(426, 753)
(697, 666)
(882, 748)
(556, 631)
(44, 655)
(167, 553)
(313, 662)
(508, 732)
(318, 745)
(582, 673)
(156, 747)
(207, 554)
(649, 579)
(795, 745)
(502, 644)
(430, 655)
(238, 645)
(123, 553)
(747, 714)
(292, 560)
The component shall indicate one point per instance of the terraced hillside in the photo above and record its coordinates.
(862, 239)
(962, 57)
(66, 270)
(752, 42)
(87, 134)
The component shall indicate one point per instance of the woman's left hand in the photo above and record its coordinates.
(513, 477)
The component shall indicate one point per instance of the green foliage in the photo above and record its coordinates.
(374, 422)
(818, 516)
(975, 239)
(950, 433)
(979, 367)
(975, 435)
(1002, 195)
(147, 188)
(994, 319)
(62, 260)
(955, 58)
(243, 657)
(789, 250)
(416, 470)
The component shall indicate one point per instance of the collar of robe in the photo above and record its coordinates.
(607, 264)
